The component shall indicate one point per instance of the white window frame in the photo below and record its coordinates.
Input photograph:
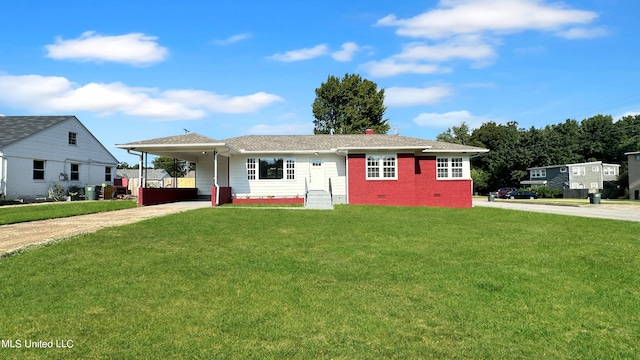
(450, 168)
(577, 170)
(73, 138)
(595, 169)
(563, 169)
(74, 175)
(381, 167)
(594, 185)
(539, 173)
(251, 169)
(39, 170)
(609, 170)
(290, 169)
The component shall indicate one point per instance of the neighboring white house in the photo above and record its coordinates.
(38, 152)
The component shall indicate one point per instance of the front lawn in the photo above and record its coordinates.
(359, 282)
(32, 212)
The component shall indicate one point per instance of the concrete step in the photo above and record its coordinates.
(318, 199)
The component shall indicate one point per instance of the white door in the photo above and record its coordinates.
(316, 174)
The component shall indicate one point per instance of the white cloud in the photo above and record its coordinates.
(583, 33)
(454, 17)
(134, 48)
(233, 39)
(348, 51)
(57, 94)
(449, 119)
(282, 129)
(402, 96)
(463, 47)
(391, 67)
(222, 103)
(301, 54)
(472, 29)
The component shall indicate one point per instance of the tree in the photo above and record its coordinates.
(175, 168)
(456, 135)
(349, 106)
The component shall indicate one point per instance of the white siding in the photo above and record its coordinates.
(242, 187)
(51, 145)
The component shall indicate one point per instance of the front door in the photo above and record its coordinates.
(316, 174)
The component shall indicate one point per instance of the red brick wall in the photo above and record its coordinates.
(416, 185)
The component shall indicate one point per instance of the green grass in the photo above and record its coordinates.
(354, 283)
(23, 213)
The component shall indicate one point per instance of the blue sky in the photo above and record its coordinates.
(136, 70)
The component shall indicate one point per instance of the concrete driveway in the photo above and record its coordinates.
(602, 211)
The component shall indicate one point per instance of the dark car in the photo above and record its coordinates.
(521, 194)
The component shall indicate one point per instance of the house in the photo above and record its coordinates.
(634, 174)
(591, 176)
(369, 168)
(40, 152)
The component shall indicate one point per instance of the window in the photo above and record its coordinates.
(270, 169)
(291, 169)
(107, 173)
(539, 173)
(456, 167)
(609, 171)
(251, 169)
(75, 172)
(449, 168)
(73, 138)
(594, 185)
(381, 167)
(563, 169)
(578, 170)
(595, 169)
(38, 169)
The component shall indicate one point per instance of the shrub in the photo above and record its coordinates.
(547, 192)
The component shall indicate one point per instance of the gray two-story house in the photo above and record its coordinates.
(590, 176)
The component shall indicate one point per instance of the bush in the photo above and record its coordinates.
(547, 192)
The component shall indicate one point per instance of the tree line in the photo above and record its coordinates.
(513, 149)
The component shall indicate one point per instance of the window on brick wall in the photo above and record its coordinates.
(382, 167)
(449, 168)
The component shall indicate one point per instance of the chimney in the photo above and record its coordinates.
(369, 132)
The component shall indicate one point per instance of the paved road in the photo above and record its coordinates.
(616, 212)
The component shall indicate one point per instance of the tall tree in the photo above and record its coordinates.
(456, 135)
(349, 105)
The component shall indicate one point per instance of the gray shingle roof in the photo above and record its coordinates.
(15, 128)
(191, 138)
(330, 142)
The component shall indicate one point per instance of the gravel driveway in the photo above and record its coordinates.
(16, 236)
(603, 211)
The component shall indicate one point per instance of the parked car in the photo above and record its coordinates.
(521, 194)
(504, 191)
